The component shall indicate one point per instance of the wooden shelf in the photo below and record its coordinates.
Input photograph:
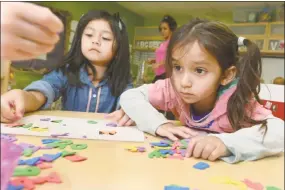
(144, 49)
(251, 23)
(149, 38)
(269, 53)
(273, 53)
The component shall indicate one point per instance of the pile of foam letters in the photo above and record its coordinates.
(176, 150)
(26, 174)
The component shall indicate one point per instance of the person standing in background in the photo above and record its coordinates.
(166, 27)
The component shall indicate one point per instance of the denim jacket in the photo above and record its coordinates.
(86, 98)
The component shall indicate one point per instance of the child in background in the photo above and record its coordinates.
(166, 27)
(211, 89)
(95, 72)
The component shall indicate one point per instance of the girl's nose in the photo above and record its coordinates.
(186, 82)
(96, 40)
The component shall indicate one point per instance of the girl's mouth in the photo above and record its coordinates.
(93, 49)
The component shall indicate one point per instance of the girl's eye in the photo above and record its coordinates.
(88, 35)
(200, 71)
(107, 39)
(177, 67)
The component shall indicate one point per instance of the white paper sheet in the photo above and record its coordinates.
(75, 127)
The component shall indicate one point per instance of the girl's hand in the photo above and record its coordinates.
(172, 131)
(121, 118)
(12, 106)
(27, 30)
(207, 147)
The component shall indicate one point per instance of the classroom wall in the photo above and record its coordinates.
(225, 16)
(76, 9)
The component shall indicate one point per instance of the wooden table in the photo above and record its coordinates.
(110, 167)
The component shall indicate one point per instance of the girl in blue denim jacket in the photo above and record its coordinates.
(92, 77)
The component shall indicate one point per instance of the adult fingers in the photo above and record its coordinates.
(42, 16)
(31, 47)
(15, 55)
(35, 33)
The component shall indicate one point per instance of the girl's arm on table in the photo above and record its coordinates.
(136, 105)
(245, 144)
(51, 86)
(252, 144)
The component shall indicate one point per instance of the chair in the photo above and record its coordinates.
(272, 97)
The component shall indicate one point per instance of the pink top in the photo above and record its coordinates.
(162, 96)
(160, 55)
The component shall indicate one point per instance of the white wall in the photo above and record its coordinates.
(272, 68)
(272, 92)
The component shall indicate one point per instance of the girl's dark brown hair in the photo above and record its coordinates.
(222, 44)
(118, 71)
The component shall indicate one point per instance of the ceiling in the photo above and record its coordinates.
(180, 9)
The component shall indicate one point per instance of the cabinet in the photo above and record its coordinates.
(269, 37)
(276, 38)
(256, 32)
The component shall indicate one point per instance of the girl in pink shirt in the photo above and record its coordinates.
(166, 27)
(211, 89)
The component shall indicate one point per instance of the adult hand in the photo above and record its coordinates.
(27, 30)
